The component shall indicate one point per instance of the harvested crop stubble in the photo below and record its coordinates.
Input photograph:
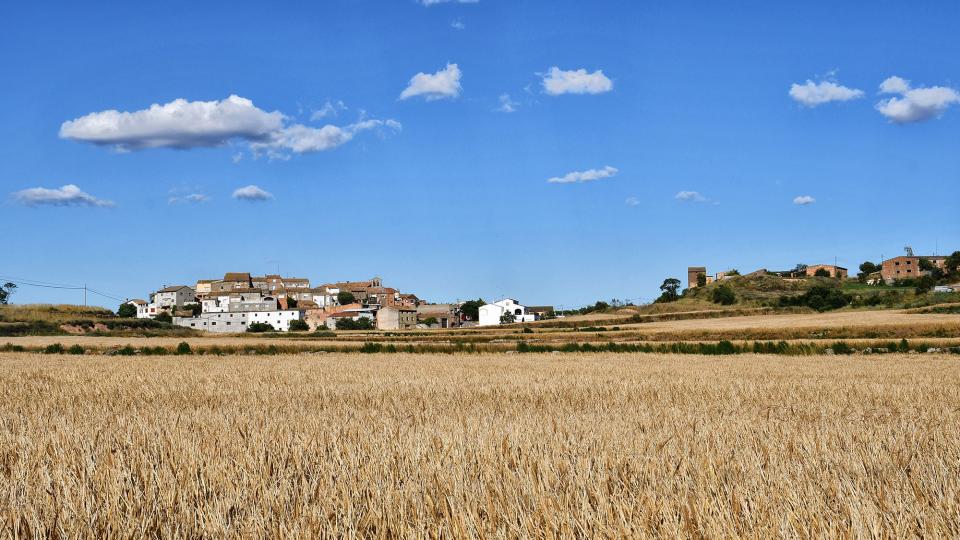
(600, 445)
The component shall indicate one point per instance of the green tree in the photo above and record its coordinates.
(299, 326)
(291, 302)
(822, 272)
(953, 263)
(260, 327)
(164, 317)
(127, 310)
(925, 265)
(925, 284)
(345, 297)
(701, 279)
(470, 310)
(6, 292)
(362, 323)
(867, 268)
(670, 288)
(507, 318)
(430, 321)
(724, 295)
(195, 309)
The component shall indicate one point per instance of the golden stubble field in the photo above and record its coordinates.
(600, 445)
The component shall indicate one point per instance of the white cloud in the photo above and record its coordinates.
(812, 94)
(632, 201)
(301, 139)
(558, 81)
(189, 124)
(507, 105)
(804, 200)
(690, 196)
(68, 195)
(442, 84)
(178, 124)
(579, 177)
(191, 198)
(330, 108)
(429, 3)
(251, 193)
(457, 24)
(914, 104)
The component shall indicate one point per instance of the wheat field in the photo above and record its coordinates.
(543, 446)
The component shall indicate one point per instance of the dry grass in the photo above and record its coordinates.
(51, 312)
(494, 445)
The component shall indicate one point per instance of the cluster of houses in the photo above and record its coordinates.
(238, 300)
(891, 270)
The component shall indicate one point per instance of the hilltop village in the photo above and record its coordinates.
(240, 302)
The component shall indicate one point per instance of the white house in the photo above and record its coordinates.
(279, 319)
(224, 323)
(142, 308)
(490, 314)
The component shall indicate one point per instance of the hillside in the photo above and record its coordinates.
(61, 319)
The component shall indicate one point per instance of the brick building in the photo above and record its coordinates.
(906, 267)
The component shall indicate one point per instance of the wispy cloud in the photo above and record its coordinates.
(330, 108)
(445, 83)
(632, 201)
(252, 193)
(811, 94)
(690, 196)
(579, 177)
(803, 200)
(429, 3)
(189, 198)
(557, 81)
(507, 105)
(68, 195)
(914, 104)
(301, 139)
(457, 24)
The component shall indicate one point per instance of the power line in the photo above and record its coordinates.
(50, 285)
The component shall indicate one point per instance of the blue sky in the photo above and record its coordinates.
(692, 144)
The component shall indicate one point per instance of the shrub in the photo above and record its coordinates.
(725, 347)
(324, 333)
(163, 317)
(184, 348)
(260, 327)
(76, 349)
(819, 298)
(126, 350)
(362, 323)
(53, 348)
(841, 347)
(127, 310)
(724, 295)
(299, 326)
(371, 348)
